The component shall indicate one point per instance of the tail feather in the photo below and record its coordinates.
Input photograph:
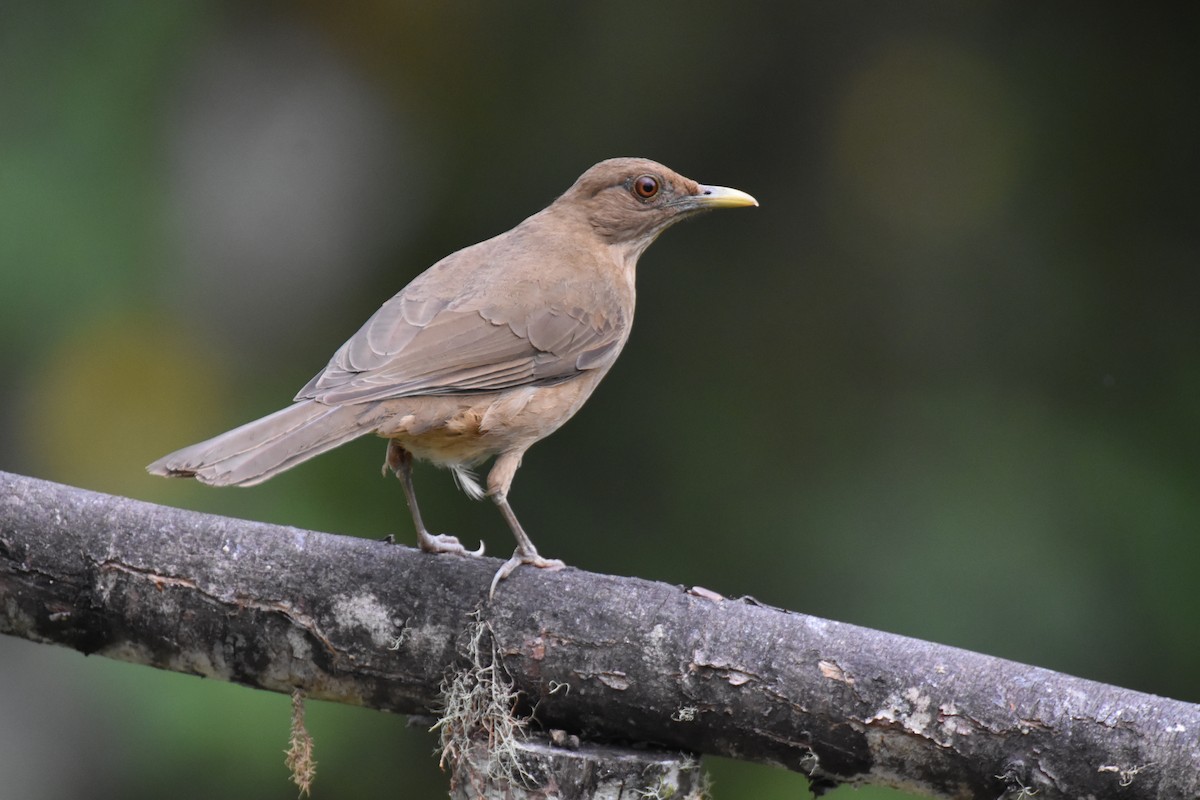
(261, 449)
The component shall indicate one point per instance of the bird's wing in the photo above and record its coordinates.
(420, 346)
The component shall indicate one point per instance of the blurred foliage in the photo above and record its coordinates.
(945, 382)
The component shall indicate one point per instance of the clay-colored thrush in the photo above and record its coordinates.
(486, 352)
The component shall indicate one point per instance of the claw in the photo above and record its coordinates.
(444, 543)
(519, 558)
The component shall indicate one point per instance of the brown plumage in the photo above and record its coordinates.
(486, 352)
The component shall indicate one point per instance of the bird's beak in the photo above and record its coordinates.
(721, 197)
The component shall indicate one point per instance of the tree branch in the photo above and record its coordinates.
(608, 658)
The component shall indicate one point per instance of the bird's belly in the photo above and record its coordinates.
(464, 430)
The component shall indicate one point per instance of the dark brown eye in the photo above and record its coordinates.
(646, 186)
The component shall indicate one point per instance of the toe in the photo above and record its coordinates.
(519, 558)
(444, 543)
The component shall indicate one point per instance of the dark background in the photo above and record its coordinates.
(944, 382)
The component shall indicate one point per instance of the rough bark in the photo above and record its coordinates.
(586, 771)
(609, 659)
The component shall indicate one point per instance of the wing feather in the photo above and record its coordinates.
(417, 346)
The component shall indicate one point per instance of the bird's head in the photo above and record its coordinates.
(630, 201)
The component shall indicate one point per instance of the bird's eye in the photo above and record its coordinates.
(646, 186)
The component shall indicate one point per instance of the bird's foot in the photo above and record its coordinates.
(445, 543)
(519, 558)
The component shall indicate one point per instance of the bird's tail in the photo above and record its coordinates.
(262, 449)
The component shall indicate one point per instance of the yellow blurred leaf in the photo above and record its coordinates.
(113, 395)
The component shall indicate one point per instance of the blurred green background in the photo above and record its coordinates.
(945, 382)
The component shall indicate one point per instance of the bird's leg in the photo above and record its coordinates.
(499, 481)
(400, 461)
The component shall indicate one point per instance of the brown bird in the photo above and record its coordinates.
(486, 352)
